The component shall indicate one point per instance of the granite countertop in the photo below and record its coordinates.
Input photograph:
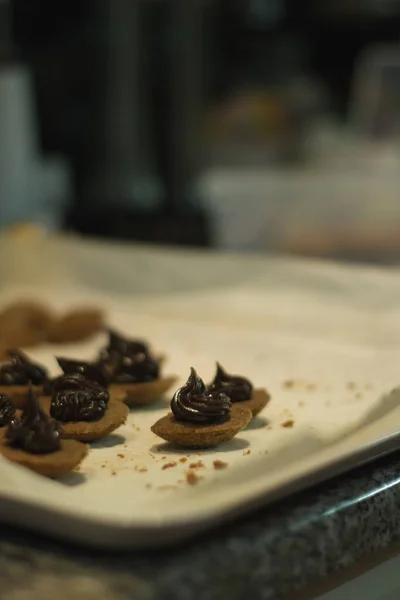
(267, 555)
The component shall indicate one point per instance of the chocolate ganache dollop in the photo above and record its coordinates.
(93, 371)
(135, 368)
(237, 388)
(19, 370)
(77, 405)
(7, 410)
(77, 382)
(120, 346)
(193, 402)
(34, 432)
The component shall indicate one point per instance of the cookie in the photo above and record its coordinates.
(24, 323)
(141, 394)
(201, 418)
(198, 435)
(17, 374)
(55, 464)
(240, 390)
(76, 326)
(89, 431)
(259, 400)
(33, 439)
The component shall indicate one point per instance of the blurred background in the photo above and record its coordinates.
(266, 125)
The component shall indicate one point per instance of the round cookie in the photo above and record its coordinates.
(54, 464)
(89, 431)
(197, 435)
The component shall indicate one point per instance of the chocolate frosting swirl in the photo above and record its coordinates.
(19, 370)
(118, 345)
(34, 432)
(77, 405)
(137, 368)
(239, 389)
(77, 382)
(7, 410)
(193, 403)
(93, 371)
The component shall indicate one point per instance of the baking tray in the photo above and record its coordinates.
(332, 409)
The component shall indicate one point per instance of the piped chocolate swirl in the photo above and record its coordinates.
(239, 389)
(77, 405)
(34, 432)
(119, 346)
(193, 402)
(19, 370)
(92, 371)
(7, 410)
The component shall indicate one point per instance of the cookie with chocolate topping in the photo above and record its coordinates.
(134, 373)
(83, 408)
(240, 390)
(33, 440)
(201, 418)
(18, 374)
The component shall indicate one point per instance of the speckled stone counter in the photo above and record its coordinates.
(266, 555)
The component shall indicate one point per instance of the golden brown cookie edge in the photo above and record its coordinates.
(192, 435)
(53, 464)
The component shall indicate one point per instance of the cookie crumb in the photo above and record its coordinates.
(103, 466)
(246, 452)
(196, 465)
(169, 465)
(301, 403)
(120, 455)
(142, 470)
(113, 472)
(163, 457)
(166, 488)
(358, 395)
(288, 424)
(351, 385)
(288, 384)
(192, 478)
(311, 387)
(219, 464)
(183, 459)
(149, 486)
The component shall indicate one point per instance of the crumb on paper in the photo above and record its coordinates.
(120, 455)
(113, 472)
(219, 464)
(183, 459)
(311, 387)
(192, 478)
(166, 488)
(169, 465)
(288, 424)
(140, 469)
(149, 486)
(246, 452)
(301, 403)
(196, 465)
(266, 452)
(163, 457)
(103, 466)
(288, 384)
(351, 385)
(125, 445)
(358, 395)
